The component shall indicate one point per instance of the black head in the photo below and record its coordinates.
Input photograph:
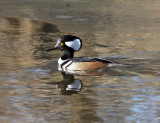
(68, 42)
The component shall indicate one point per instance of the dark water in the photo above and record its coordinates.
(33, 90)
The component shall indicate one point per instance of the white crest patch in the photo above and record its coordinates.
(75, 44)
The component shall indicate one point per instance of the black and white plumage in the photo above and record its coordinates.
(69, 44)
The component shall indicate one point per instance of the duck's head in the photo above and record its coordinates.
(68, 43)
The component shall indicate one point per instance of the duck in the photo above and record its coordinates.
(70, 44)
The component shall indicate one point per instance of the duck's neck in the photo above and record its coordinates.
(67, 54)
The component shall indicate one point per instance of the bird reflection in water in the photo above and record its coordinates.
(69, 85)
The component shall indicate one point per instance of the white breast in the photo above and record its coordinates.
(60, 61)
(63, 64)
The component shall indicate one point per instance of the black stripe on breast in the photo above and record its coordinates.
(64, 63)
(69, 64)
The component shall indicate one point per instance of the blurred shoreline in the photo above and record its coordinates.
(118, 16)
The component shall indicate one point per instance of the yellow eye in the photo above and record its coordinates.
(61, 43)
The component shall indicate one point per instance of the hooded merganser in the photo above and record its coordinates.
(69, 44)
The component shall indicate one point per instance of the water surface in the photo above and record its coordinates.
(33, 90)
